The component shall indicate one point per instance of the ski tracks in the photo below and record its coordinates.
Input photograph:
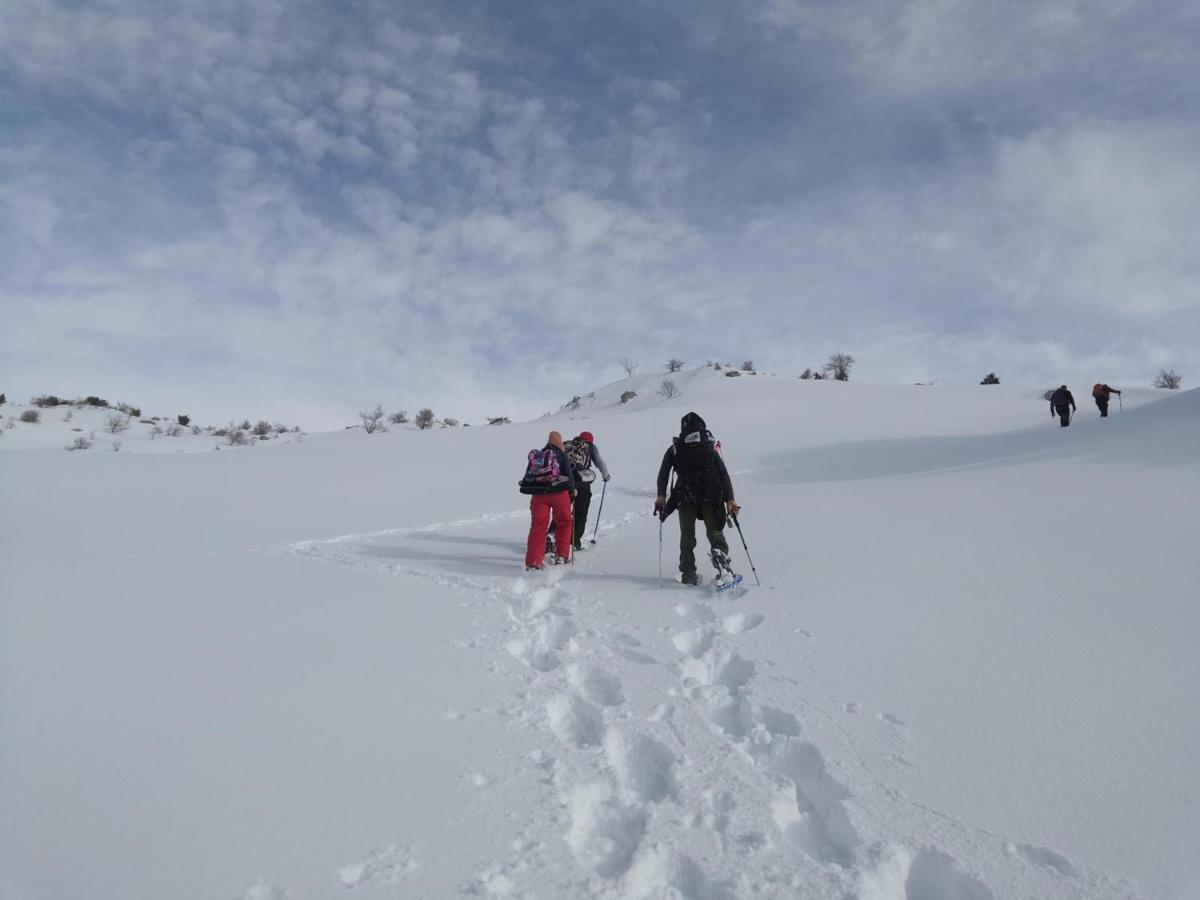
(661, 776)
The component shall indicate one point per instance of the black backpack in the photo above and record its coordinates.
(695, 459)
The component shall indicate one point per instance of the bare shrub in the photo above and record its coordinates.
(626, 396)
(95, 401)
(748, 366)
(234, 435)
(839, 366)
(674, 364)
(449, 423)
(262, 428)
(131, 411)
(31, 416)
(279, 428)
(49, 400)
(196, 429)
(1168, 380)
(116, 445)
(498, 420)
(991, 378)
(629, 365)
(183, 420)
(174, 429)
(155, 431)
(399, 418)
(818, 375)
(668, 389)
(732, 373)
(80, 443)
(116, 423)
(573, 403)
(424, 419)
(372, 420)
(806, 374)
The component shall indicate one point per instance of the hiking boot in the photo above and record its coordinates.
(561, 561)
(690, 578)
(533, 568)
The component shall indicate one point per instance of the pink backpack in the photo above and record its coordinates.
(541, 471)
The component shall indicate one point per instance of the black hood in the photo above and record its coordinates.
(691, 422)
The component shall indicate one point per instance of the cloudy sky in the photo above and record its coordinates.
(297, 209)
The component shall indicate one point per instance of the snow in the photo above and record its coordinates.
(314, 666)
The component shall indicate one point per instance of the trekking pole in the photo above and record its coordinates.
(600, 511)
(738, 525)
(1120, 403)
(660, 525)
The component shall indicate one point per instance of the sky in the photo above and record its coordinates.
(297, 210)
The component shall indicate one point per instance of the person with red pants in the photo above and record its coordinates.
(550, 506)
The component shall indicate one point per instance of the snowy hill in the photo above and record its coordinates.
(287, 671)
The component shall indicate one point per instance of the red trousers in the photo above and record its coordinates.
(542, 506)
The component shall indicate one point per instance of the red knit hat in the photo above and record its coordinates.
(587, 436)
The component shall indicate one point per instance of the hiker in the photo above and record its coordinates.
(702, 490)
(1062, 404)
(1102, 393)
(582, 451)
(550, 480)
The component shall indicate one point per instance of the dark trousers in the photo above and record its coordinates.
(583, 502)
(710, 514)
(1064, 415)
(1102, 402)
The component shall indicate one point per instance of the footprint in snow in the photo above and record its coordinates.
(1043, 856)
(383, 865)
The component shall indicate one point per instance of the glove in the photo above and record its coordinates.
(606, 477)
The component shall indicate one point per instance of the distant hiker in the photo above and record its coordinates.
(702, 491)
(550, 480)
(1062, 404)
(1102, 393)
(582, 451)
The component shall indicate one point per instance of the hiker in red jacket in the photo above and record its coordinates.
(1102, 393)
(550, 480)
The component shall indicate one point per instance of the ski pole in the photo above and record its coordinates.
(600, 511)
(738, 525)
(1120, 403)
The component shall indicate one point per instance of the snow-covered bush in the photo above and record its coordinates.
(116, 423)
(80, 443)
(32, 416)
(674, 364)
(398, 418)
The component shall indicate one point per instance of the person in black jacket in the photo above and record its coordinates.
(549, 504)
(1062, 404)
(702, 490)
(583, 452)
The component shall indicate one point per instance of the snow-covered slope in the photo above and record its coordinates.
(292, 670)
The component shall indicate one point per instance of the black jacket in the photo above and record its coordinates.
(1061, 399)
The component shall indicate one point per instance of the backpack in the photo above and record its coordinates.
(541, 471)
(580, 454)
(695, 459)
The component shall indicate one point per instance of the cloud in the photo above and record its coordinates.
(306, 206)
